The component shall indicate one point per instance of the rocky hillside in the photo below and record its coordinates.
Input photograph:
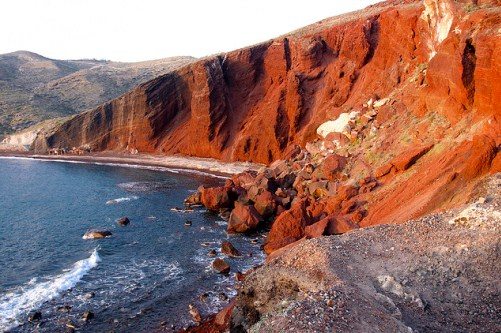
(34, 88)
(438, 64)
(395, 105)
(436, 274)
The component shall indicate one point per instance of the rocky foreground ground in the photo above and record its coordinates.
(439, 273)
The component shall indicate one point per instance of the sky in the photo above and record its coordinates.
(136, 30)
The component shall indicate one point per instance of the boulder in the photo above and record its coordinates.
(381, 102)
(194, 199)
(286, 179)
(253, 192)
(215, 198)
(278, 167)
(221, 266)
(346, 192)
(228, 249)
(339, 125)
(265, 204)
(316, 229)
(87, 315)
(330, 225)
(338, 225)
(243, 218)
(288, 226)
(223, 317)
(244, 179)
(332, 166)
(318, 189)
(195, 314)
(266, 183)
(96, 234)
(338, 139)
(123, 221)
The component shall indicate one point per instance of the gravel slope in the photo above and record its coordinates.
(436, 274)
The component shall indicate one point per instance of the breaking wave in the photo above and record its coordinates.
(119, 200)
(17, 303)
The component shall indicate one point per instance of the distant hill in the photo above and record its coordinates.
(34, 88)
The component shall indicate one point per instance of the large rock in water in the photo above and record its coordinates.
(215, 198)
(243, 218)
(228, 249)
(96, 234)
(221, 266)
(123, 221)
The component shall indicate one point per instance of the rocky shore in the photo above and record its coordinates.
(436, 273)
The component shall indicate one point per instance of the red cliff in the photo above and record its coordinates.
(427, 74)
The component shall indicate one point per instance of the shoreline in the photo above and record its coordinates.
(175, 164)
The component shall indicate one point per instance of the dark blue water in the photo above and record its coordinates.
(142, 278)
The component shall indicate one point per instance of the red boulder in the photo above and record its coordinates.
(243, 218)
(215, 198)
(289, 226)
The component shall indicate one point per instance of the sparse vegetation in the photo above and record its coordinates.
(471, 7)
(47, 88)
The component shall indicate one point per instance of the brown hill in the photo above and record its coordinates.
(34, 88)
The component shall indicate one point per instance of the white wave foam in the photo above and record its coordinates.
(145, 186)
(119, 200)
(16, 304)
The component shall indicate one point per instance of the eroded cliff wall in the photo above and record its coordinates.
(436, 57)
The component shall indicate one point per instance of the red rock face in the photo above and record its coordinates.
(437, 134)
(252, 103)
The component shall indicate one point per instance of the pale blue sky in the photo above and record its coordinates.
(134, 30)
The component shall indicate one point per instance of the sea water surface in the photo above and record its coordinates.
(141, 279)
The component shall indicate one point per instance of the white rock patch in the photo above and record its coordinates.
(340, 125)
(381, 102)
(438, 15)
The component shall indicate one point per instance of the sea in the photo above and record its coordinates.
(140, 279)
